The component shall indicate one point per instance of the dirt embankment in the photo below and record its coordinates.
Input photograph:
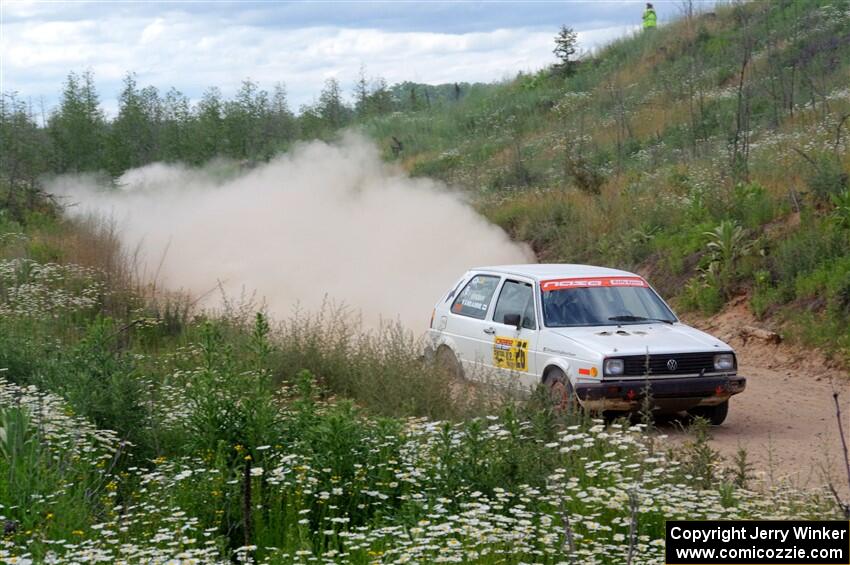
(786, 419)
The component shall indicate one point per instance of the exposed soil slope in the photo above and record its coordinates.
(786, 417)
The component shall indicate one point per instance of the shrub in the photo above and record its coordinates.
(841, 213)
(727, 244)
(701, 293)
(827, 178)
(230, 398)
(751, 205)
(815, 243)
(764, 294)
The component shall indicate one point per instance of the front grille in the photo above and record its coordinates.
(686, 364)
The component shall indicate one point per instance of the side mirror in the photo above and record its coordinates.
(513, 320)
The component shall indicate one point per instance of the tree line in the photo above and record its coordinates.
(150, 125)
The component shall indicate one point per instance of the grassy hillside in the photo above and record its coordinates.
(711, 154)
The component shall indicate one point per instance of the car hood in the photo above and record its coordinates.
(637, 339)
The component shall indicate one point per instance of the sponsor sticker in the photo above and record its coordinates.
(510, 353)
(591, 282)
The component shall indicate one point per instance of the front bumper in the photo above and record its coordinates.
(668, 394)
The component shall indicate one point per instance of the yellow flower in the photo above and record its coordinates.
(238, 447)
(78, 532)
(49, 516)
(247, 458)
(159, 460)
(112, 486)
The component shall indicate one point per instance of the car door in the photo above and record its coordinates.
(513, 347)
(467, 323)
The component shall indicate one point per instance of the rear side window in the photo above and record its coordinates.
(475, 297)
(516, 298)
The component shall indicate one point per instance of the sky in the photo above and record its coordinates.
(191, 45)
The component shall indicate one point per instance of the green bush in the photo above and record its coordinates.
(764, 294)
(827, 178)
(752, 206)
(815, 243)
(702, 294)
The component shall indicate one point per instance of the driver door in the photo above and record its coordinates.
(514, 349)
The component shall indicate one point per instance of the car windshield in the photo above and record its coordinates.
(602, 306)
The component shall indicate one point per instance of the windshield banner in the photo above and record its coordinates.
(590, 282)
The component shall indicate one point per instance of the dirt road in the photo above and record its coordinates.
(786, 417)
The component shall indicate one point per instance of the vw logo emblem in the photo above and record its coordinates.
(672, 364)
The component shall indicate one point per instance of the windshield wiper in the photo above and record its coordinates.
(631, 318)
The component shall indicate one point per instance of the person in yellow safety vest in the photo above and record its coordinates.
(649, 18)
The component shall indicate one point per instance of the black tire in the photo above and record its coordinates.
(446, 360)
(561, 391)
(715, 414)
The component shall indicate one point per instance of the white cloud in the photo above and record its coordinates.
(192, 52)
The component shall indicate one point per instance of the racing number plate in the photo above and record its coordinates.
(510, 353)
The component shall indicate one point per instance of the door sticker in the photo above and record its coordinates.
(510, 353)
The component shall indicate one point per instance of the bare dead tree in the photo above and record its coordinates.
(844, 506)
(686, 7)
(569, 539)
(247, 504)
(741, 141)
(633, 513)
(840, 125)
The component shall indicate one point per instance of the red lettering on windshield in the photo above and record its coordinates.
(591, 282)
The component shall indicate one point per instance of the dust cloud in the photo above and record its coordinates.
(324, 221)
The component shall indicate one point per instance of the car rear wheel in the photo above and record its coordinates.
(446, 360)
(715, 414)
(561, 391)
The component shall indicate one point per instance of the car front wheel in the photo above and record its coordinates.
(560, 390)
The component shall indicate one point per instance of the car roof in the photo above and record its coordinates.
(544, 271)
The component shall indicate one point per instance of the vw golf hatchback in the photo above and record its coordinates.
(598, 337)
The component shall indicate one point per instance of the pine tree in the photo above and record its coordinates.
(134, 135)
(331, 107)
(209, 127)
(361, 93)
(566, 45)
(281, 124)
(176, 124)
(78, 126)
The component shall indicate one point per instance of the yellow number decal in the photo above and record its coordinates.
(510, 353)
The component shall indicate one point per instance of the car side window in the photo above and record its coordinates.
(516, 298)
(474, 299)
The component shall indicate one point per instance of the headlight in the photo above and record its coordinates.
(614, 366)
(724, 362)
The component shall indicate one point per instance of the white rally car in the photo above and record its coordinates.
(600, 337)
